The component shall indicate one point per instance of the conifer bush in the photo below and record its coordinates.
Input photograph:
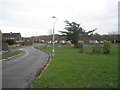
(81, 46)
(106, 47)
(97, 48)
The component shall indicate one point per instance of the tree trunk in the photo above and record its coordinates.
(75, 45)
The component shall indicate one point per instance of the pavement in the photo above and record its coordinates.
(20, 71)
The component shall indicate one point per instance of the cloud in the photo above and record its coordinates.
(35, 15)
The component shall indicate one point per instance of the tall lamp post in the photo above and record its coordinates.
(53, 51)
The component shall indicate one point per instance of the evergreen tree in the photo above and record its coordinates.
(74, 32)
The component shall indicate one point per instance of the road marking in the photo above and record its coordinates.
(27, 53)
(21, 49)
(18, 59)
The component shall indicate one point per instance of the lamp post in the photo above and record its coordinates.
(53, 51)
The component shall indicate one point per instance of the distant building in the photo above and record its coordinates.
(14, 36)
(27, 41)
(48, 38)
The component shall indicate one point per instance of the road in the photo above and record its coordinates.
(20, 71)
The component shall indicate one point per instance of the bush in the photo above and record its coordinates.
(106, 47)
(10, 41)
(81, 46)
(97, 48)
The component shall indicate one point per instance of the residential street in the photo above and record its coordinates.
(19, 71)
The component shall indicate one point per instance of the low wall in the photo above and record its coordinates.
(13, 46)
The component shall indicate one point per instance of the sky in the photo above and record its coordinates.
(34, 17)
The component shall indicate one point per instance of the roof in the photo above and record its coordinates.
(11, 35)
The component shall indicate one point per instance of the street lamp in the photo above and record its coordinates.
(53, 51)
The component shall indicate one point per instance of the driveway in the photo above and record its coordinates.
(20, 71)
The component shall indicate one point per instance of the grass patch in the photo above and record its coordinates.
(71, 69)
(6, 56)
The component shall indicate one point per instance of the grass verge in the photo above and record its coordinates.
(71, 69)
(6, 56)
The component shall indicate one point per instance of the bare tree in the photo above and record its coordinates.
(50, 33)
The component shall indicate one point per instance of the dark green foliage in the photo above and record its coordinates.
(97, 48)
(75, 32)
(106, 47)
(10, 41)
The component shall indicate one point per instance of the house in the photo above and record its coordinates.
(13, 36)
(27, 41)
(3, 46)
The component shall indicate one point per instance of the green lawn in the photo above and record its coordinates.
(6, 56)
(71, 69)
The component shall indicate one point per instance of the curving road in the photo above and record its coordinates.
(20, 71)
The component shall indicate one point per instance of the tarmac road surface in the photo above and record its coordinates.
(20, 71)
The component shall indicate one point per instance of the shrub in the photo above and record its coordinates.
(81, 46)
(69, 43)
(10, 41)
(97, 48)
(106, 47)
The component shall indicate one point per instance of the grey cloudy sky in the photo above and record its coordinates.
(34, 17)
